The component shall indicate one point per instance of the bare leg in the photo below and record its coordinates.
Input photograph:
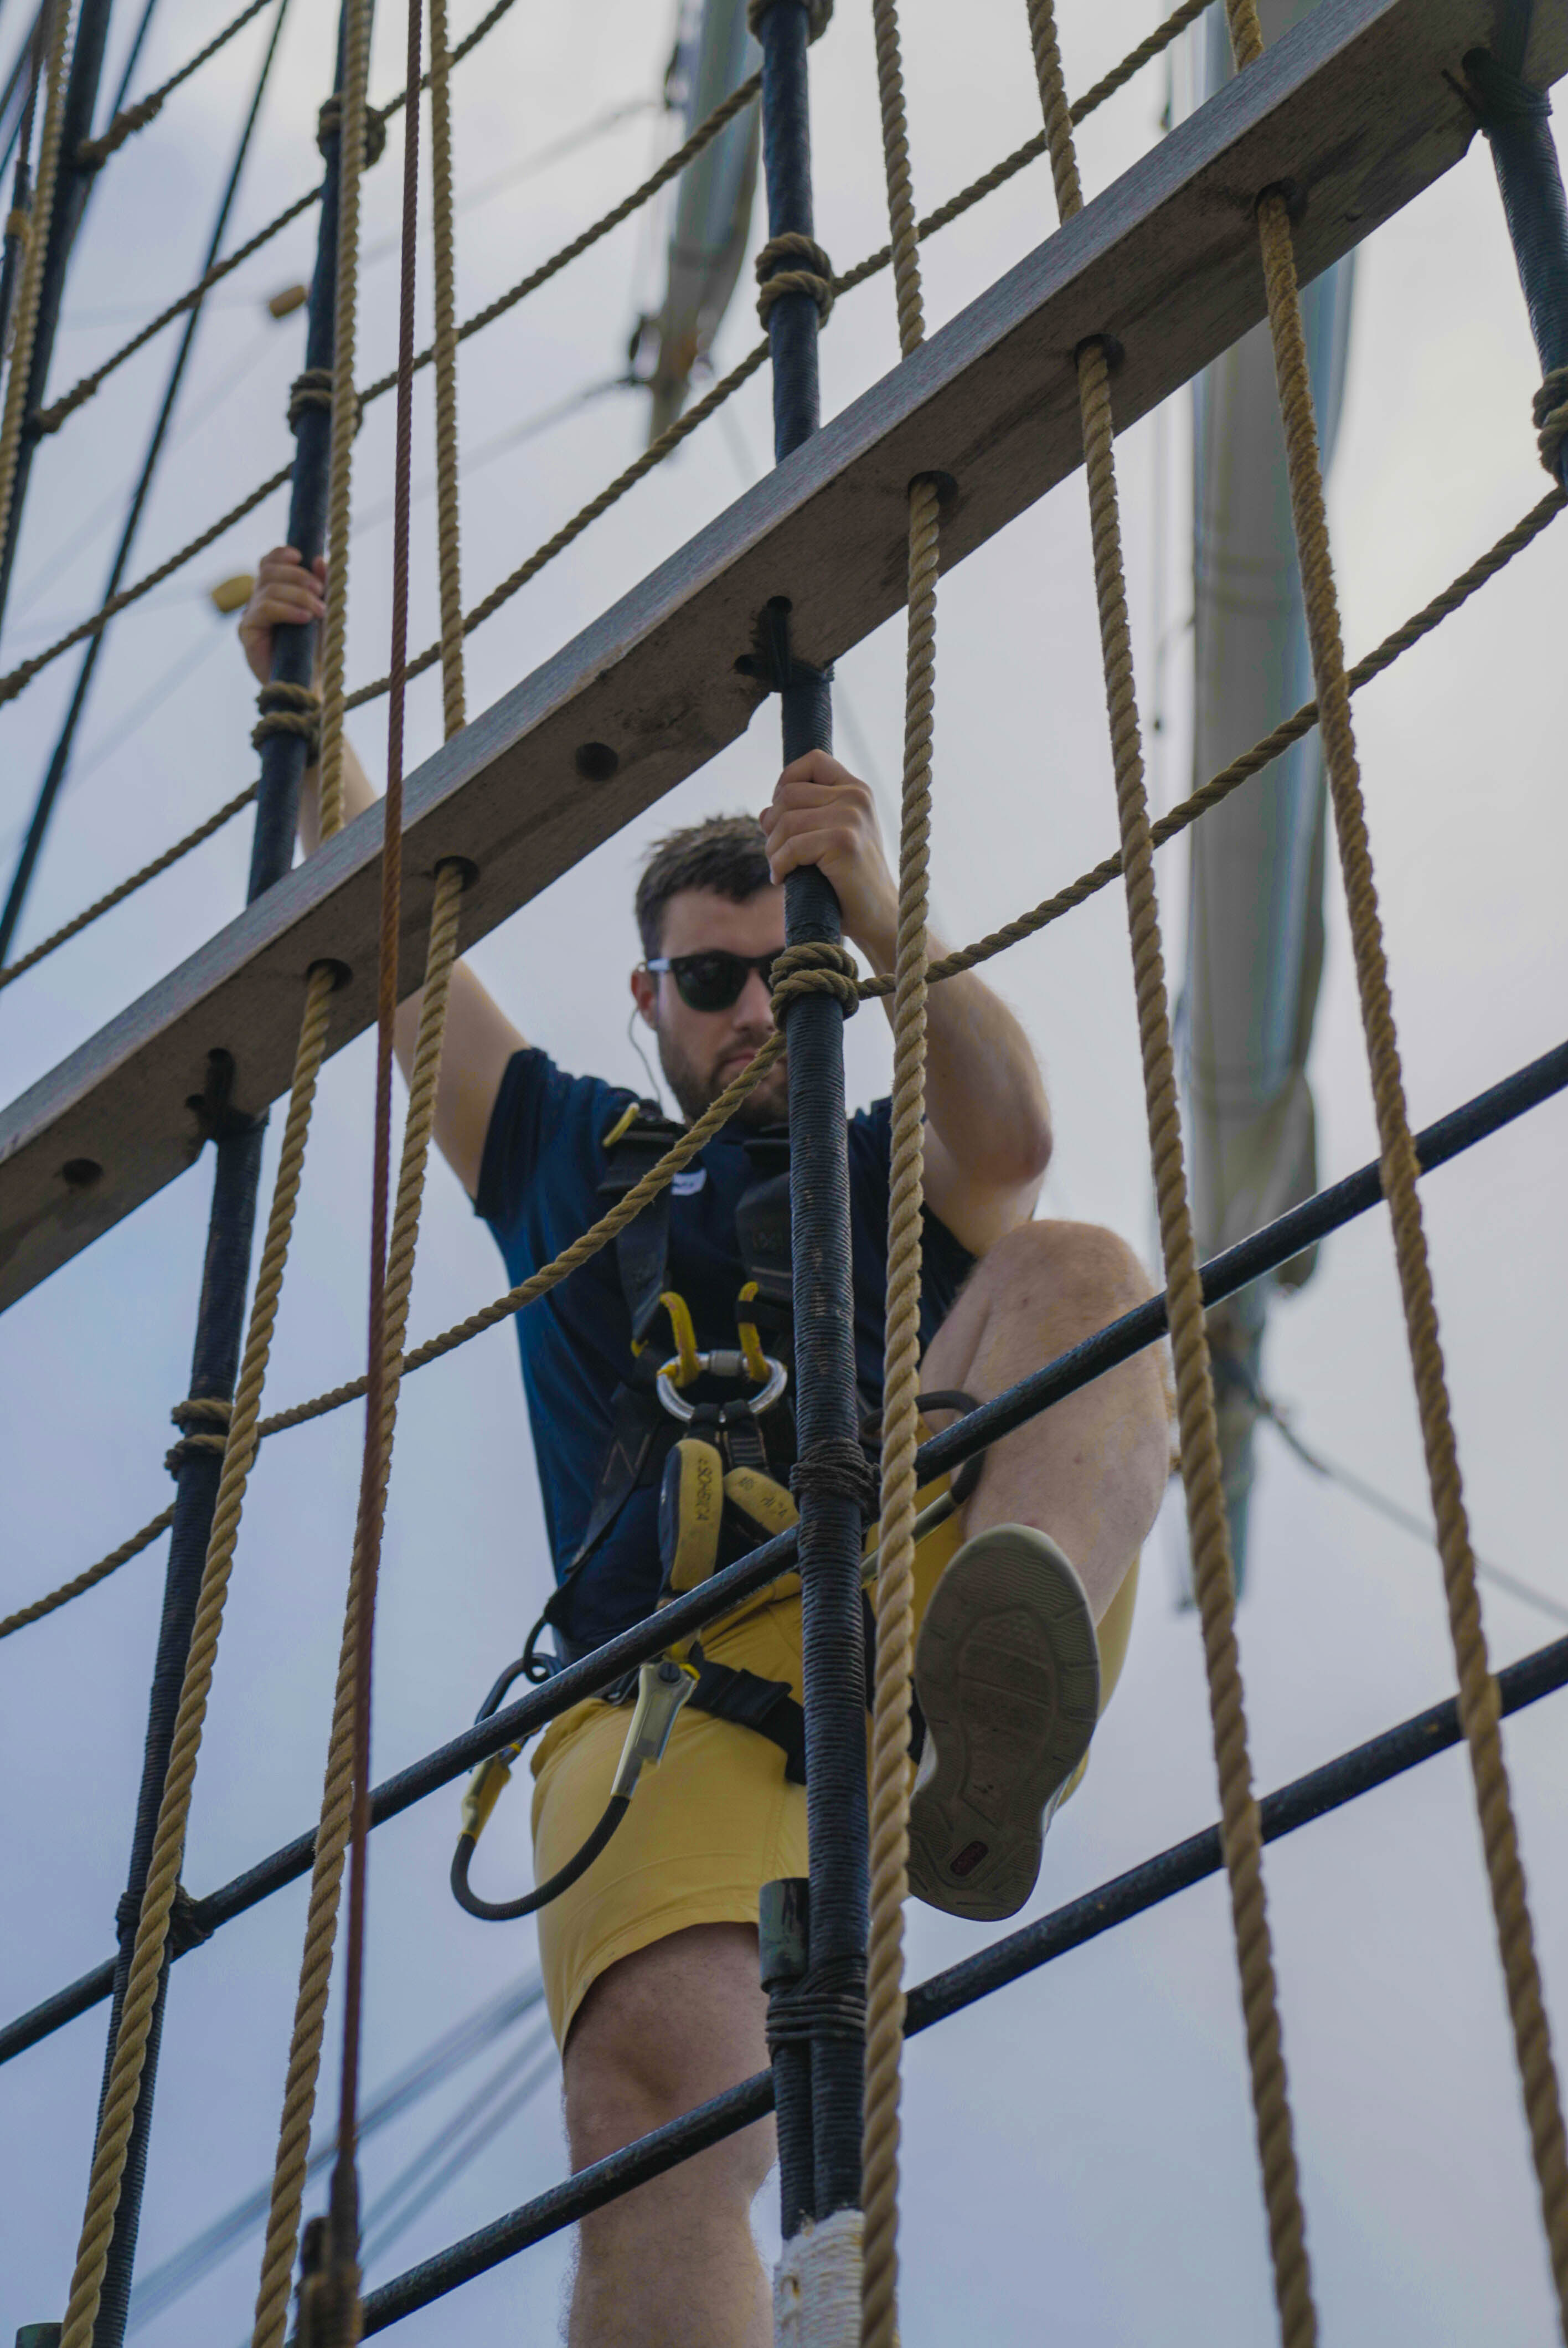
(673, 2264)
(1091, 1470)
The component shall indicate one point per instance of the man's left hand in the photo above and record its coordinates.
(821, 814)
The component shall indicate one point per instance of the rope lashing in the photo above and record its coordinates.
(793, 263)
(895, 1594)
(830, 2002)
(1550, 410)
(174, 1810)
(203, 1421)
(1202, 1476)
(313, 388)
(329, 125)
(93, 153)
(290, 709)
(814, 968)
(837, 1465)
(1478, 1692)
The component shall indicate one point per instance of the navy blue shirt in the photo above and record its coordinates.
(538, 1189)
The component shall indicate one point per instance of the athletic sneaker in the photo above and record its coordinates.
(1007, 1670)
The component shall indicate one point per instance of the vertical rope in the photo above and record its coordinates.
(445, 347)
(163, 1874)
(333, 1830)
(345, 407)
(889, 1794)
(13, 416)
(1213, 1578)
(1480, 1709)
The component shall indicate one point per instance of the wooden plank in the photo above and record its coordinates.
(1358, 108)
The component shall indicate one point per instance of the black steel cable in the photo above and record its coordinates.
(1337, 1782)
(1486, 1114)
(60, 759)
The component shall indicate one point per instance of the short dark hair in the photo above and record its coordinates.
(725, 853)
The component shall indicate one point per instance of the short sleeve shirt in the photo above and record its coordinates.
(538, 1189)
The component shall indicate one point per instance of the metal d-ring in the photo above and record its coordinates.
(722, 1364)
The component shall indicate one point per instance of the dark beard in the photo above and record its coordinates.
(695, 1094)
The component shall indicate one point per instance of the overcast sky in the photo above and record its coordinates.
(1079, 2151)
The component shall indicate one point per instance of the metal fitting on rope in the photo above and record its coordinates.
(780, 271)
(835, 1466)
(290, 709)
(196, 1413)
(1549, 409)
(819, 15)
(314, 389)
(329, 124)
(814, 968)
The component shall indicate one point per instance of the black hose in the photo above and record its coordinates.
(507, 1911)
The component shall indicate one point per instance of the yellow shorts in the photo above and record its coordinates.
(717, 1818)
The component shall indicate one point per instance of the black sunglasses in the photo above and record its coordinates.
(714, 980)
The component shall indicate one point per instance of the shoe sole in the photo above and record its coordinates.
(1007, 1669)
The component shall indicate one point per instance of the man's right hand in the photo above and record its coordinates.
(285, 594)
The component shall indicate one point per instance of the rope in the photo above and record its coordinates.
(11, 684)
(814, 967)
(163, 1874)
(34, 254)
(351, 152)
(1551, 413)
(1213, 1578)
(1477, 1693)
(793, 263)
(117, 896)
(290, 709)
(93, 153)
(452, 711)
(332, 1834)
(894, 1593)
(203, 1421)
(90, 1578)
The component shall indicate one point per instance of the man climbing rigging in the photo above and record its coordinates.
(650, 1478)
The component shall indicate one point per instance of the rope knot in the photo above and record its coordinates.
(1549, 409)
(290, 709)
(835, 1466)
(329, 125)
(314, 389)
(94, 153)
(819, 15)
(830, 2003)
(196, 1416)
(815, 969)
(780, 271)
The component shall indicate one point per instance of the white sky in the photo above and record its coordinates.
(1079, 2149)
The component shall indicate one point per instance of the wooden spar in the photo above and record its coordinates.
(1357, 110)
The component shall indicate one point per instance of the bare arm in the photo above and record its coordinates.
(987, 1138)
(480, 1039)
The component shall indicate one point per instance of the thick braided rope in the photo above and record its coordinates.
(445, 349)
(1477, 1693)
(345, 409)
(333, 1831)
(1077, 892)
(894, 1595)
(1213, 1578)
(128, 888)
(35, 252)
(90, 1578)
(163, 1872)
(92, 152)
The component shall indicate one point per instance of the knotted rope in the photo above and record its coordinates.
(1213, 1579)
(290, 709)
(444, 346)
(814, 968)
(174, 1810)
(895, 1596)
(333, 1831)
(203, 1421)
(93, 153)
(1480, 1710)
(793, 263)
(35, 249)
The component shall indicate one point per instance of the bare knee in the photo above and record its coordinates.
(661, 2030)
(1080, 1270)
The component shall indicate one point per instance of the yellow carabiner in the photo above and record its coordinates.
(686, 1365)
(622, 1127)
(751, 1344)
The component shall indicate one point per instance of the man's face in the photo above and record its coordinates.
(701, 1052)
